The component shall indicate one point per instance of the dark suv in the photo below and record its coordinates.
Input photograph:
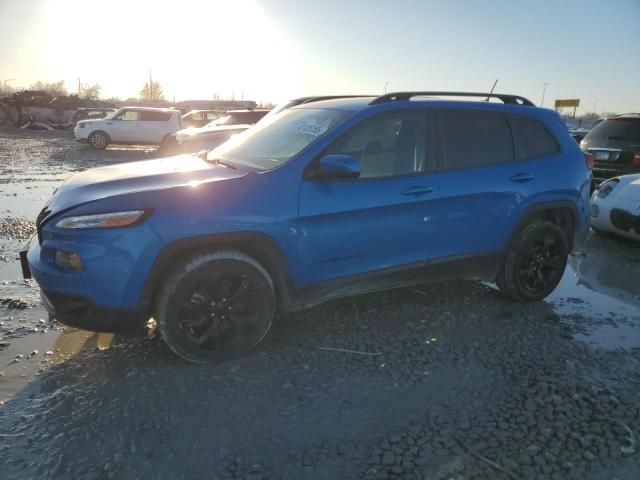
(327, 199)
(615, 146)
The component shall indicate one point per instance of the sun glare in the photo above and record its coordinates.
(195, 49)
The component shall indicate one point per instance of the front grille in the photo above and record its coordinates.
(41, 216)
(624, 220)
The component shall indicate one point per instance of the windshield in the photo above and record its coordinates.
(274, 142)
(617, 129)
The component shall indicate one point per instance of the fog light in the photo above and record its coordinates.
(68, 260)
(595, 211)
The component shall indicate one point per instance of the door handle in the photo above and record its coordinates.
(109, 123)
(522, 177)
(417, 190)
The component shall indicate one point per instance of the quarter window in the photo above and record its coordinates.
(476, 139)
(531, 138)
(387, 145)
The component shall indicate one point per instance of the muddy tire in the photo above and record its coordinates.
(99, 140)
(535, 262)
(215, 306)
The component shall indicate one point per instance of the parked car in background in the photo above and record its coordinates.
(579, 133)
(130, 125)
(245, 118)
(241, 117)
(616, 207)
(329, 199)
(210, 139)
(615, 146)
(90, 114)
(200, 118)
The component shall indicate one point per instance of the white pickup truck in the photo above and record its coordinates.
(130, 125)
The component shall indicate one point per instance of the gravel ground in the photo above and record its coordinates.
(445, 381)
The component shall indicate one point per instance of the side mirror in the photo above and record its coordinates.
(339, 166)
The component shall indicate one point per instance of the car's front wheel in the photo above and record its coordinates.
(99, 140)
(535, 262)
(215, 306)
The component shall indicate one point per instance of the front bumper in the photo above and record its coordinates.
(107, 295)
(81, 313)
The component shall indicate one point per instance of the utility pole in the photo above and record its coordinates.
(79, 88)
(150, 86)
(385, 87)
(544, 89)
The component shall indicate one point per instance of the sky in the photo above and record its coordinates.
(272, 50)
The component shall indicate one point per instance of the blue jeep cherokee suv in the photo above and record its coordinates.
(324, 200)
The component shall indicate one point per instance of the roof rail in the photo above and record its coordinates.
(398, 96)
(329, 97)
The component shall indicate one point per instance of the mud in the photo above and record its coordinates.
(457, 382)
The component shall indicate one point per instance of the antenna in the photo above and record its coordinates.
(492, 89)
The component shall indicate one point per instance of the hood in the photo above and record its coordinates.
(629, 187)
(125, 178)
(91, 120)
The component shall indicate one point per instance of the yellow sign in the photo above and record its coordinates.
(573, 102)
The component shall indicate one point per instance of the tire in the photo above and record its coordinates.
(169, 145)
(202, 323)
(535, 262)
(99, 140)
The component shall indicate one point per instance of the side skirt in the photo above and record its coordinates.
(482, 267)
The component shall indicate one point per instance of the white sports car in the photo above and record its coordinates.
(615, 206)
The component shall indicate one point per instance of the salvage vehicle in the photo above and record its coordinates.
(329, 199)
(130, 125)
(616, 207)
(200, 118)
(615, 146)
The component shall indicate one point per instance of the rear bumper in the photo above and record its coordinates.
(605, 172)
(81, 313)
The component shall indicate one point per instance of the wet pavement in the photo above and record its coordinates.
(443, 381)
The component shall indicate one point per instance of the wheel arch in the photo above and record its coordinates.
(563, 213)
(257, 245)
(102, 132)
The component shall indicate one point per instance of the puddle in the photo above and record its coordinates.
(52, 347)
(600, 294)
(612, 337)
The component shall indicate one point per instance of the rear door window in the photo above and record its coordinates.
(151, 116)
(531, 138)
(475, 139)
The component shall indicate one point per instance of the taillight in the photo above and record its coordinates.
(636, 159)
(588, 158)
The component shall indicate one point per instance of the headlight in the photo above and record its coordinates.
(605, 188)
(102, 220)
(82, 125)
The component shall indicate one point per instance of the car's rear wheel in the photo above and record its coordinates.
(216, 306)
(99, 140)
(535, 262)
(169, 145)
